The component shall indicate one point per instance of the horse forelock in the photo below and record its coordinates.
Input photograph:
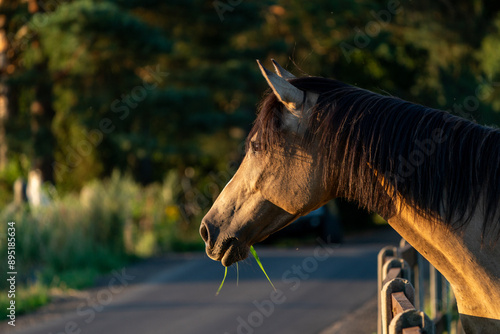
(434, 160)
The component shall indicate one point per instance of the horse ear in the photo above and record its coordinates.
(281, 71)
(287, 93)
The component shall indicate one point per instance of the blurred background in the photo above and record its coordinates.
(121, 121)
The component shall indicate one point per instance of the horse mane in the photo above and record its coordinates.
(442, 165)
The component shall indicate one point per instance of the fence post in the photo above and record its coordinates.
(435, 288)
(416, 263)
(394, 268)
(411, 318)
(440, 300)
(395, 285)
(384, 254)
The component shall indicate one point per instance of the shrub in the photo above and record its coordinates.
(107, 224)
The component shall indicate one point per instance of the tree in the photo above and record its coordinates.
(80, 57)
(146, 86)
(6, 68)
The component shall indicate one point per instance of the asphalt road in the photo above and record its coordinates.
(317, 286)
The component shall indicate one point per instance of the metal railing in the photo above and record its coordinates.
(402, 277)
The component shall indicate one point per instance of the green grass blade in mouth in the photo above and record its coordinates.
(237, 274)
(220, 287)
(254, 253)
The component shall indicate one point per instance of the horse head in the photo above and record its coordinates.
(280, 178)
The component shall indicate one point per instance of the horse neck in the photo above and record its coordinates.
(471, 266)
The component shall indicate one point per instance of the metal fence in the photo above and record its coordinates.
(413, 297)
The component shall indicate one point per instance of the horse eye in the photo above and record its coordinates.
(256, 146)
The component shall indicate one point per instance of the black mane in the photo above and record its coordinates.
(433, 159)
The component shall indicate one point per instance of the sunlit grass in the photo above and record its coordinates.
(28, 298)
(254, 253)
(222, 283)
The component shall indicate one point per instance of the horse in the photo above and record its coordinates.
(433, 176)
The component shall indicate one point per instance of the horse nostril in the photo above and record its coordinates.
(204, 233)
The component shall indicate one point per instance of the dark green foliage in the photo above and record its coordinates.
(148, 86)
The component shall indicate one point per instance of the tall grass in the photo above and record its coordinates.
(78, 236)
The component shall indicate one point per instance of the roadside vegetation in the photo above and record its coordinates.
(69, 242)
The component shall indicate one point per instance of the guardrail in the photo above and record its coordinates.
(402, 277)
